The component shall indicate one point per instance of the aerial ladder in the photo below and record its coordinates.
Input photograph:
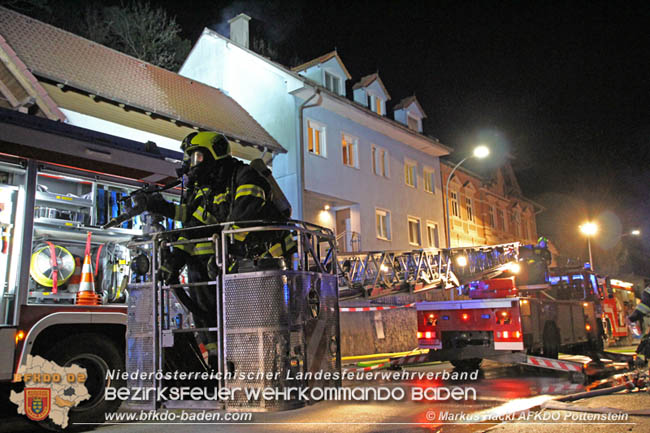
(375, 274)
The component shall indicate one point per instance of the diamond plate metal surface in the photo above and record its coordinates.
(280, 322)
(139, 341)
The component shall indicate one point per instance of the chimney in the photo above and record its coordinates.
(239, 30)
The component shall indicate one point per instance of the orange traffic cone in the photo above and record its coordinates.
(86, 294)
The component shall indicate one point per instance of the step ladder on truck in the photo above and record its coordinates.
(276, 319)
(520, 319)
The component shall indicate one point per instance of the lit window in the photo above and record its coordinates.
(469, 209)
(491, 216)
(375, 104)
(332, 83)
(432, 235)
(315, 138)
(349, 150)
(409, 173)
(453, 197)
(429, 181)
(412, 122)
(379, 161)
(501, 220)
(383, 224)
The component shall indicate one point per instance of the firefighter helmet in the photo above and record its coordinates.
(216, 145)
(542, 242)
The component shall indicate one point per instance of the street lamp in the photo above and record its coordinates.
(635, 232)
(480, 152)
(589, 229)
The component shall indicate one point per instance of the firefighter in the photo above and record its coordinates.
(220, 189)
(642, 311)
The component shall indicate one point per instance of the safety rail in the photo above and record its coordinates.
(379, 273)
(157, 318)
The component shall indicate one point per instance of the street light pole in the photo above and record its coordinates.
(447, 199)
(591, 260)
(589, 229)
(479, 152)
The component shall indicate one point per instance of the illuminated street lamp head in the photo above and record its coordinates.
(635, 232)
(461, 261)
(481, 151)
(589, 228)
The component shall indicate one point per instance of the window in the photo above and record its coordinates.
(524, 226)
(315, 138)
(375, 104)
(412, 122)
(515, 222)
(491, 215)
(453, 196)
(469, 209)
(409, 173)
(383, 224)
(379, 161)
(414, 231)
(432, 235)
(429, 181)
(333, 83)
(501, 220)
(349, 150)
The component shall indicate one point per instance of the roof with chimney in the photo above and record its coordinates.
(322, 59)
(366, 81)
(62, 61)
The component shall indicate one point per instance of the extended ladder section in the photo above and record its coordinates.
(380, 273)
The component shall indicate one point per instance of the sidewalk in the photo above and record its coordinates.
(624, 401)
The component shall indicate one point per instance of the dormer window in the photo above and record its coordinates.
(409, 112)
(375, 104)
(332, 83)
(412, 122)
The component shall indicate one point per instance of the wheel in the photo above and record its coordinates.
(97, 354)
(550, 341)
(467, 364)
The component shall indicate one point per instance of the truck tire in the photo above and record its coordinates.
(470, 364)
(550, 341)
(97, 354)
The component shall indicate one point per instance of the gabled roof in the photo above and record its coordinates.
(54, 54)
(20, 87)
(406, 102)
(368, 80)
(323, 59)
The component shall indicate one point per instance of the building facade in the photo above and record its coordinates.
(488, 210)
(372, 179)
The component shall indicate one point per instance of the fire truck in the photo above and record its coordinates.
(57, 183)
(614, 298)
(618, 300)
(519, 312)
(60, 186)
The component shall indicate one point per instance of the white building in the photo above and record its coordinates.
(374, 180)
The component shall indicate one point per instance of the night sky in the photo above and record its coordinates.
(563, 87)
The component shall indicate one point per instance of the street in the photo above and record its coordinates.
(499, 389)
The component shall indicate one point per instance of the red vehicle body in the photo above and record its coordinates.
(501, 318)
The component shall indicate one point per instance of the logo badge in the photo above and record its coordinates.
(37, 403)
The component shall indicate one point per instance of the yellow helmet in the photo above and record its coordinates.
(216, 144)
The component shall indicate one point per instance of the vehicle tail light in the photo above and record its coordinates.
(419, 335)
(505, 334)
(517, 334)
(464, 316)
(427, 335)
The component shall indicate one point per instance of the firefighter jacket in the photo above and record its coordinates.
(235, 192)
(643, 308)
